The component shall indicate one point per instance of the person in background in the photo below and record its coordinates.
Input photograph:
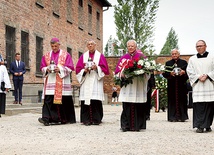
(17, 69)
(151, 84)
(201, 75)
(90, 70)
(56, 66)
(133, 96)
(1, 59)
(114, 95)
(4, 80)
(176, 88)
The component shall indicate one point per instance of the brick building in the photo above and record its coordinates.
(26, 26)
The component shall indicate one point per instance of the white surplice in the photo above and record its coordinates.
(91, 83)
(202, 91)
(4, 77)
(136, 92)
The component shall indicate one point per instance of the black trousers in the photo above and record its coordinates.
(2, 103)
(203, 113)
(92, 113)
(54, 113)
(133, 116)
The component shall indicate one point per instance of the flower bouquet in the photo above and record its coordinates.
(135, 68)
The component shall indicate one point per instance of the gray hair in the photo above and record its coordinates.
(175, 49)
(131, 41)
(91, 40)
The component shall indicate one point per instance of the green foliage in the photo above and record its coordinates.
(171, 43)
(135, 19)
(161, 85)
(115, 47)
(106, 50)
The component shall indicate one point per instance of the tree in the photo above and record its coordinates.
(111, 48)
(135, 19)
(171, 43)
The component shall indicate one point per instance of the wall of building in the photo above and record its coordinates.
(26, 15)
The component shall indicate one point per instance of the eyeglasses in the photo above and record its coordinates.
(199, 46)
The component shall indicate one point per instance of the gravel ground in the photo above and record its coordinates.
(22, 134)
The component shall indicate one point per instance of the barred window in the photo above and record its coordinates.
(69, 11)
(98, 25)
(10, 44)
(56, 7)
(89, 19)
(25, 48)
(39, 54)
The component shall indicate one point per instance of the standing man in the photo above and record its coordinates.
(176, 88)
(56, 66)
(17, 69)
(91, 68)
(201, 75)
(4, 77)
(133, 96)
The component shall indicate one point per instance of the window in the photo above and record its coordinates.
(56, 7)
(89, 19)
(39, 54)
(25, 48)
(40, 3)
(69, 50)
(98, 25)
(80, 15)
(80, 3)
(79, 54)
(69, 11)
(10, 44)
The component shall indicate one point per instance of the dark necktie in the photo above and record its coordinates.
(18, 63)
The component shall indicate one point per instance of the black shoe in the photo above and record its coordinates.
(87, 123)
(208, 129)
(200, 130)
(46, 123)
(147, 118)
(172, 120)
(95, 123)
(41, 120)
(124, 129)
(0, 115)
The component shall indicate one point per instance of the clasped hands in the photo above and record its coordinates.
(18, 73)
(203, 77)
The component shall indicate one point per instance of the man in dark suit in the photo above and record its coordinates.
(17, 69)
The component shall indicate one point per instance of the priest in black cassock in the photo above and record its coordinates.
(176, 88)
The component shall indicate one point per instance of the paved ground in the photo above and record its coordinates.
(22, 134)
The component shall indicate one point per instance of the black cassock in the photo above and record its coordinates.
(176, 92)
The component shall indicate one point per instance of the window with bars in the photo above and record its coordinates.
(69, 11)
(69, 50)
(98, 24)
(79, 54)
(80, 15)
(89, 19)
(10, 44)
(39, 54)
(25, 48)
(56, 8)
(40, 3)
